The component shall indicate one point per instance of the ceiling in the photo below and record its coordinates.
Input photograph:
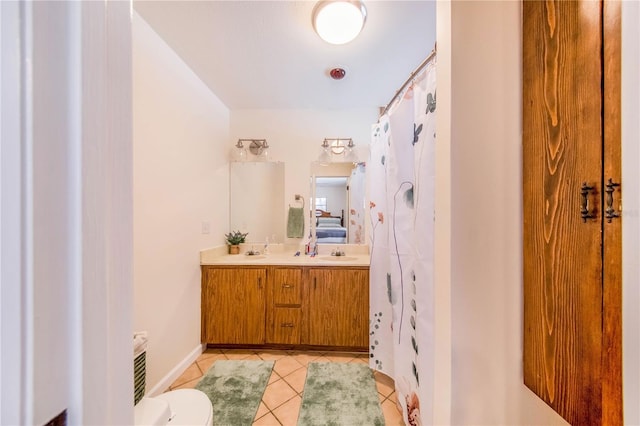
(265, 54)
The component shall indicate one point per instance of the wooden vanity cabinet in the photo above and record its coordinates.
(292, 306)
(337, 311)
(284, 316)
(233, 305)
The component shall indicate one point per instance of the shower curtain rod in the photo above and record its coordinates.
(410, 79)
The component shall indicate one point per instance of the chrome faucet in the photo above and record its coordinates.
(337, 252)
(252, 252)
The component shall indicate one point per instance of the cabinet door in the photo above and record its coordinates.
(286, 326)
(233, 305)
(338, 308)
(563, 157)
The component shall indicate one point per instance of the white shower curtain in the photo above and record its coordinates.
(401, 174)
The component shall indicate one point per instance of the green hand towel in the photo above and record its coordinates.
(295, 222)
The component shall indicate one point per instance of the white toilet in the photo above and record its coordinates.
(179, 407)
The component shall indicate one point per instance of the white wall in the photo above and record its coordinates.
(486, 218)
(442, 400)
(295, 135)
(51, 250)
(102, 171)
(12, 280)
(631, 210)
(336, 198)
(486, 266)
(181, 179)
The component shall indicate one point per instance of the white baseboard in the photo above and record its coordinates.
(171, 377)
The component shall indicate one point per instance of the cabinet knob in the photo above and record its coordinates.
(287, 286)
(287, 324)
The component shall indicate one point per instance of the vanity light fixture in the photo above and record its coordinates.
(332, 148)
(257, 147)
(339, 21)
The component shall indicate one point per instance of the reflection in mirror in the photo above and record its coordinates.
(257, 200)
(338, 203)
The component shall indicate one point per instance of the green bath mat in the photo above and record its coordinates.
(235, 389)
(340, 394)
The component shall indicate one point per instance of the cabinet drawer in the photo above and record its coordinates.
(286, 325)
(287, 287)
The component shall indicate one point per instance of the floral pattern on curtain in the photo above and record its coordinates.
(401, 178)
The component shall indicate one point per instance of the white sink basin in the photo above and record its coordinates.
(253, 257)
(338, 258)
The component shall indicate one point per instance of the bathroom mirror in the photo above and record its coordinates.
(338, 203)
(256, 191)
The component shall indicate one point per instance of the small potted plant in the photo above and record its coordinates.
(235, 238)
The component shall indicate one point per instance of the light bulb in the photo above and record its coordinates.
(351, 156)
(240, 154)
(339, 22)
(325, 156)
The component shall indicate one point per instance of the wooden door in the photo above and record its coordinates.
(233, 305)
(567, 352)
(612, 409)
(338, 307)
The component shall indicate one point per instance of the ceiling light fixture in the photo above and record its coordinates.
(339, 21)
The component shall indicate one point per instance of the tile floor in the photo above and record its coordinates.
(281, 400)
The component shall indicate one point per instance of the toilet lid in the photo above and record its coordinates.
(188, 407)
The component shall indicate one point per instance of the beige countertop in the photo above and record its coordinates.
(283, 255)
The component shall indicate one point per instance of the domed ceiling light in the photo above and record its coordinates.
(339, 21)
